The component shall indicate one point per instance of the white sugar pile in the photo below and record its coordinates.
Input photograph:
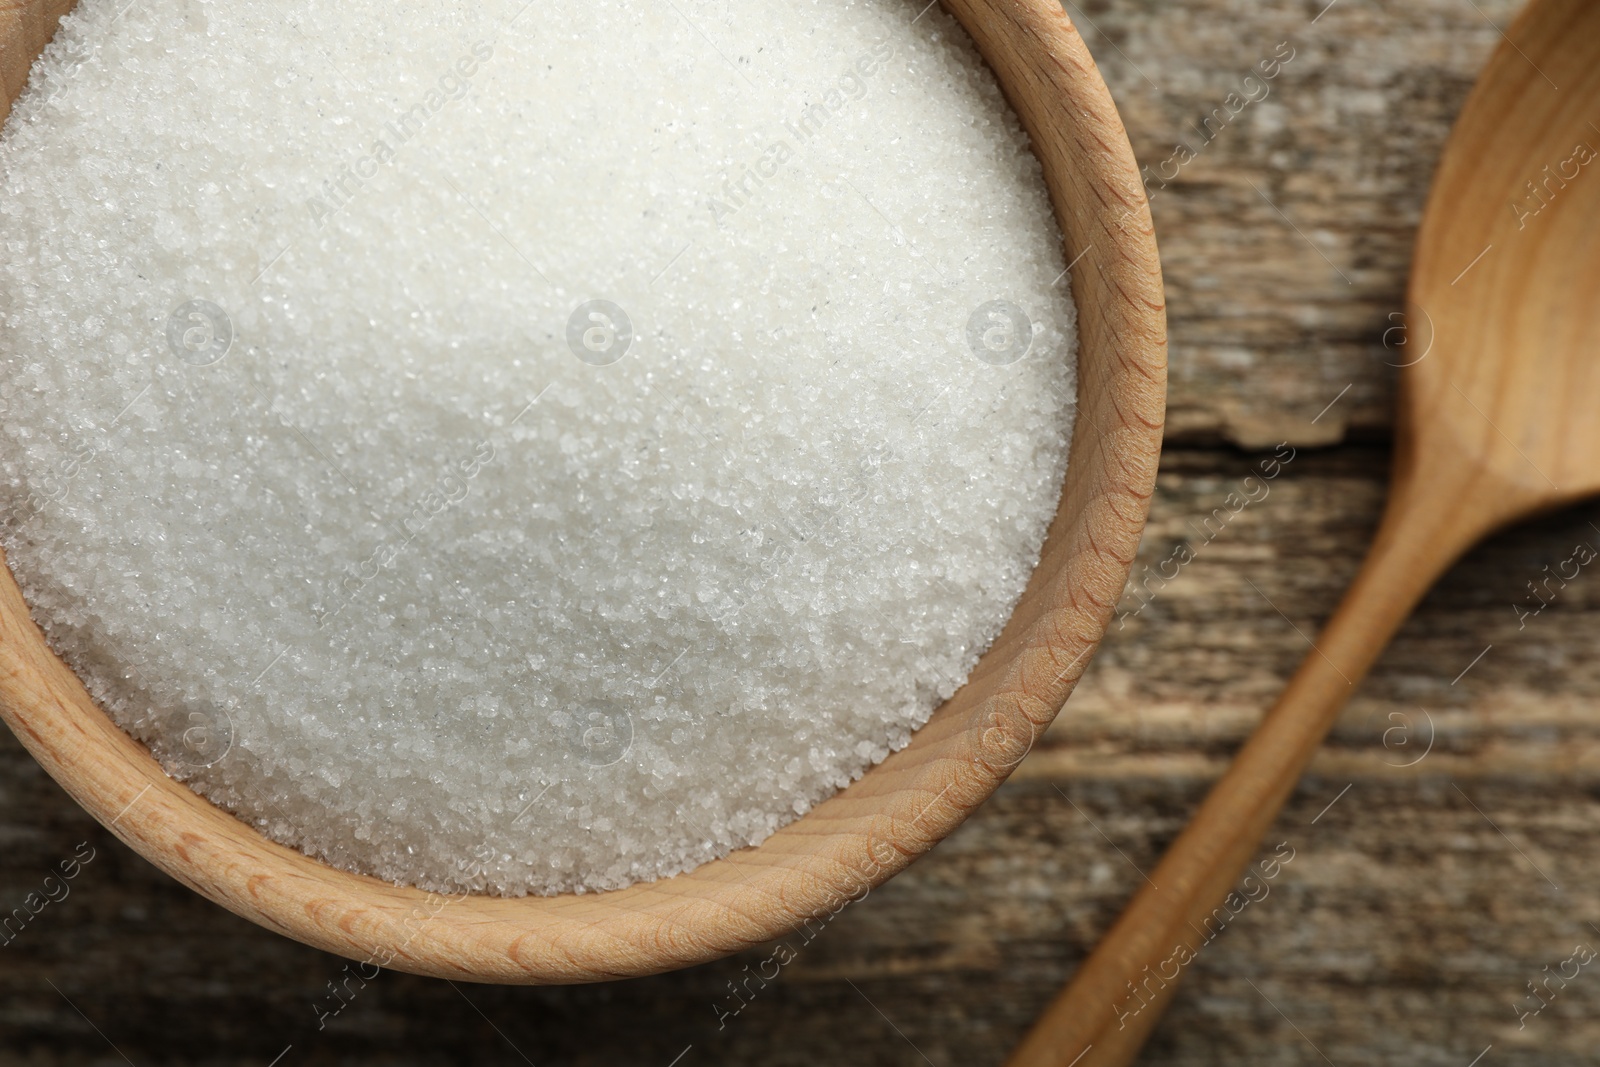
(524, 448)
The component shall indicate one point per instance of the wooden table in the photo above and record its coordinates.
(1421, 900)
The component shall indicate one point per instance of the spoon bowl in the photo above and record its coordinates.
(843, 847)
(1506, 272)
(1496, 423)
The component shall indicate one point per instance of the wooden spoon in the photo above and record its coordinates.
(1499, 419)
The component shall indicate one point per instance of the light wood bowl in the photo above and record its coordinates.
(844, 846)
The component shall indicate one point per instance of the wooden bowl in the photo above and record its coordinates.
(844, 846)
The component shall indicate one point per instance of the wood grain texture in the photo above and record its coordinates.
(1406, 926)
(1496, 424)
(26, 26)
(844, 846)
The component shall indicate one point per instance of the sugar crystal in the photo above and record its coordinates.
(524, 448)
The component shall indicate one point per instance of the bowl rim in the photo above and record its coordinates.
(801, 876)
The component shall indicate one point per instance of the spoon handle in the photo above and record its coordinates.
(1121, 990)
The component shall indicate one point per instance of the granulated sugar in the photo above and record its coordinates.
(524, 448)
